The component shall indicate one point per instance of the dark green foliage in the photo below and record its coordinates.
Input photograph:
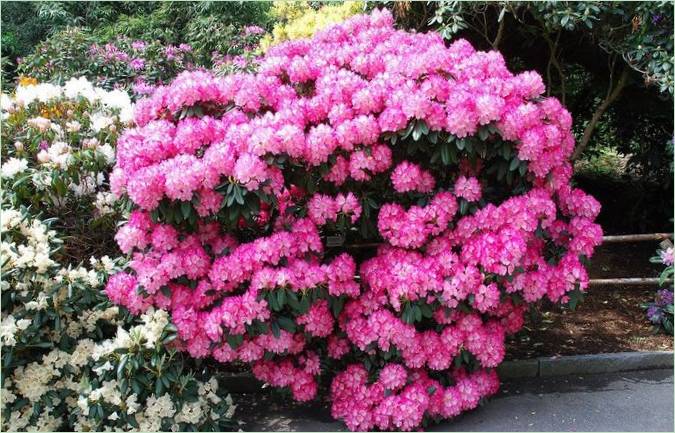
(208, 25)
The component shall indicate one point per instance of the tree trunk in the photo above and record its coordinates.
(609, 99)
(500, 34)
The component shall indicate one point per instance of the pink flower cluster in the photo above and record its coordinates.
(322, 208)
(445, 288)
(468, 188)
(412, 228)
(410, 177)
(399, 399)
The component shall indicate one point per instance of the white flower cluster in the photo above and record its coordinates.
(28, 244)
(58, 144)
(73, 89)
(13, 166)
(78, 368)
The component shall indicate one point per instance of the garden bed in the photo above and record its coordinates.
(609, 319)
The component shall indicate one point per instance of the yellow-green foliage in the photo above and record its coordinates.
(297, 19)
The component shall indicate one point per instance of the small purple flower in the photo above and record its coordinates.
(170, 51)
(666, 256)
(664, 297)
(253, 30)
(141, 87)
(654, 314)
(239, 61)
(138, 45)
(44, 145)
(656, 18)
(186, 48)
(137, 64)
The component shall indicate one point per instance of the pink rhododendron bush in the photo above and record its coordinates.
(255, 193)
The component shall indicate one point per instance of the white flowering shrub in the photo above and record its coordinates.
(72, 361)
(58, 144)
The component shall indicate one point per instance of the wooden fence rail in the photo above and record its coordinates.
(627, 281)
(605, 239)
(636, 238)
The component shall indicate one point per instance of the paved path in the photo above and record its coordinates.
(635, 401)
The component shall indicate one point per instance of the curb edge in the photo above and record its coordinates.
(239, 383)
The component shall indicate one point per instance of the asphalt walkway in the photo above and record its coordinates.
(633, 401)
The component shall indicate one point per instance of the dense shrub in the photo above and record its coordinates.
(249, 189)
(72, 361)
(26, 24)
(125, 64)
(242, 52)
(299, 19)
(58, 144)
(207, 25)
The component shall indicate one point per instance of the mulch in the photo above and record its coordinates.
(608, 320)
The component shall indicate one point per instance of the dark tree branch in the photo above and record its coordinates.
(500, 34)
(613, 93)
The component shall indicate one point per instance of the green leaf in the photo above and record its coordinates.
(463, 207)
(273, 301)
(304, 304)
(136, 386)
(445, 154)
(281, 297)
(120, 368)
(276, 331)
(293, 300)
(408, 315)
(522, 169)
(235, 340)
(427, 312)
(418, 313)
(417, 133)
(238, 195)
(287, 324)
(185, 209)
(575, 296)
(565, 19)
(169, 338)
(336, 305)
(408, 130)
